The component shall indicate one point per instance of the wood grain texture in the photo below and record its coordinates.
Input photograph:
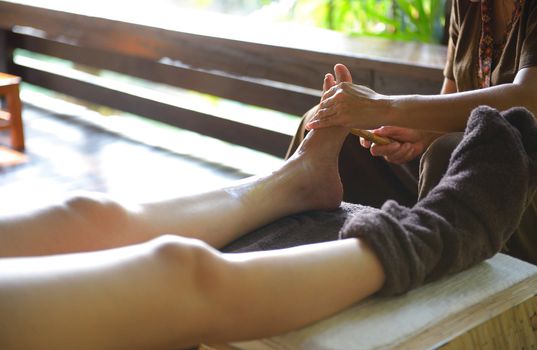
(264, 93)
(283, 74)
(292, 65)
(242, 134)
(514, 329)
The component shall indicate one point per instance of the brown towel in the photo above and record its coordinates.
(469, 215)
(293, 230)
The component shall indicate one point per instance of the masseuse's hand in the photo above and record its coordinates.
(351, 106)
(407, 143)
(341, 74)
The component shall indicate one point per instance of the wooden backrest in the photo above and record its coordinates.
(276, 67)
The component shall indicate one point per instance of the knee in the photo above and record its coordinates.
(440, 150)
(435, 160)
(97, 211)
(192, 263)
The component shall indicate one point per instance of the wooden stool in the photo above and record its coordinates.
(11, 118)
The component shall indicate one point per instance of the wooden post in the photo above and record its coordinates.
(6, 52)
(5, 56)
(14, 107)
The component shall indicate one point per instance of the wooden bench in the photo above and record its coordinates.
(490, 306)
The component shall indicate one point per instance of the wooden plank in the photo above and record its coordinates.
(284, 64)
(288, 99)
(474, 316)
(241, 134)
(4, 53)
(515, 328)
(401, 84)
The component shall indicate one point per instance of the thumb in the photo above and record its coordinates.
(392, 131)
(342, 74)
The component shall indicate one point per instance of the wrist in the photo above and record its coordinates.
(394, 110)
(407, 111)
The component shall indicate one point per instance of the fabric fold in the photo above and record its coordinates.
(469, 215)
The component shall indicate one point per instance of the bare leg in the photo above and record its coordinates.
(174, 292)
(86, 222)
(308, 181)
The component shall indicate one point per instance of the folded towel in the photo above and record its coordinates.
(469, 215)
(305, 228)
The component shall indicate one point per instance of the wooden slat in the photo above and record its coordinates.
(290, 65)
(4, 55)
(241, 134)
(262, 73)
(288, 99)
(402, 84)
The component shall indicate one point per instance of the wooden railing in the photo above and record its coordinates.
(268, 66)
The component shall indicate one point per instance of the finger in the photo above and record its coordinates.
(342, 73)
(365, 143)
(327, 103)
(402, 156)
(411, 154)
(385, 150)
(394, 132)
(322, 119)
(399, 133)
(330, 92)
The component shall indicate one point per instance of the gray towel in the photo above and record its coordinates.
(299, 229)
(469, 215)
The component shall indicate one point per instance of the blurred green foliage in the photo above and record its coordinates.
(410, 20)
(417, 20)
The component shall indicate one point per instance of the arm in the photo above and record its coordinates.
(451, 111)
(448, 87)
(408, 143)
(356, 106)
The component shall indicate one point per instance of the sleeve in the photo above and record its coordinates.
(452, 43)
(528, 57)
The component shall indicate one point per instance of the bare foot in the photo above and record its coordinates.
(316, 160)
(313, 170)
(309, 180)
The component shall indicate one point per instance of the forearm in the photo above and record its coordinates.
(450, 112)
(277, 291)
